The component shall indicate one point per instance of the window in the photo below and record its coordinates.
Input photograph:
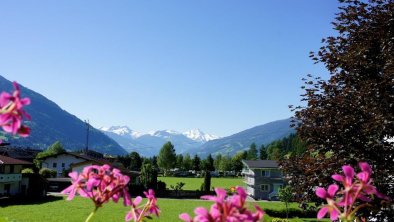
(12, 169)
(54, 165)
(63, 165)
(265, 187)
(265, 173)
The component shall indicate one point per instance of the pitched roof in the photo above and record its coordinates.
(255, 164)
(9, 160)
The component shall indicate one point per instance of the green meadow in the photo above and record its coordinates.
(195, 183)
(56, 209)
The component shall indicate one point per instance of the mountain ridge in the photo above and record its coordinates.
(149, 144)
(51, 123)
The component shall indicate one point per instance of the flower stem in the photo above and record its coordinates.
(91, 215)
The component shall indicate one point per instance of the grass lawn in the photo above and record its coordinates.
(195, 183)
(58, 209)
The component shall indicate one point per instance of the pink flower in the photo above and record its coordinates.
(12, 113)
(356, 188)
(225, 209)
(331, 207)
(100, 184)
(138, 213)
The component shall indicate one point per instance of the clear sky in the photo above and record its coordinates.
(222, 66)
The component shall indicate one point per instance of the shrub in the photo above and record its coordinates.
(279, 220)
(292, 213)
(27, 171)
(48, 173)
(161, 186)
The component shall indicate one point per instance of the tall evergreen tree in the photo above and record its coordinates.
(167, 158)
(135, 161)
(263, 152)
(196, 163)
(187, 162)
(148, 176)
(179, 161)
(252, 152)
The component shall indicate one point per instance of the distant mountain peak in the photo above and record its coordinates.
(122, 131)
(198, 135)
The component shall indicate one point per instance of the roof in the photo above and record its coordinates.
(257, 164)
(99, 162)
(102, 162)
(9, 160)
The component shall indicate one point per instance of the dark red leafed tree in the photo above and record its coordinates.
(350, 117)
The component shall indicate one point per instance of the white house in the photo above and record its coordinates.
(11, 176)
(63, 161)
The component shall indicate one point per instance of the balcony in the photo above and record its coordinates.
(15, 177)
(249, 181)
(247, 172)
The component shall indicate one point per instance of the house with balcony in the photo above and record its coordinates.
(11, 182)
(263, 179)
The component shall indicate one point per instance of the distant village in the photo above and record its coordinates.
(24, 172)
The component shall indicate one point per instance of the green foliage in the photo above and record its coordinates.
(187, 162)
(178, 187)
(217, 161)
(179, 161)
(279, 220)
(47, 173)
(53, 149)
(167, 157)
(196, 163)
(252, 152)
(236, 161)
(56, 148)
(161, 186)
(135, 161)
(208, 164)
(27, 171)
(225, 164)
(148, 176)
(263, 152)
(290, 145)
(207, 181)
(286, 195)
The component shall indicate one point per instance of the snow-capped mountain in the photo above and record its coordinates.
(122, 131)
(149, 144)
(198, 135)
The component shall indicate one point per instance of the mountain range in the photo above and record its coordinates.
(149, 144)
(50, 123)
(197, 142)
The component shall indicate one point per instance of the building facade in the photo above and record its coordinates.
(263, 179)
(11, 182)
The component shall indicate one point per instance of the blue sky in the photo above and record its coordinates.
(222, 66)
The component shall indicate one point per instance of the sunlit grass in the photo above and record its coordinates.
(58, 209)
(195, 183)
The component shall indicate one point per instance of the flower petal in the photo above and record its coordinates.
(334, 214)
(332, 190)
(321, 192)
(365, 167)
(185, 217)
(348, 171)
(322, 212)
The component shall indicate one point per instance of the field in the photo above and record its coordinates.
(58, 209)
(195, 183)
